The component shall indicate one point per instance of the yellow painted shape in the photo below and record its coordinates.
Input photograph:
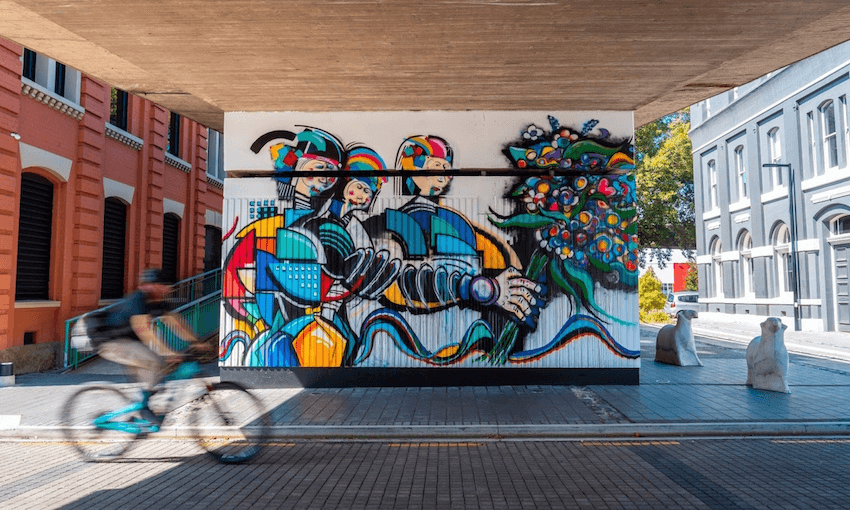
(393, 293)
(266, 227)
(449, 350)
(493, 258)
(319, 345)
(244, 327)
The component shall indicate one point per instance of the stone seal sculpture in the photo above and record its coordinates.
(675, 343)
(767, 358)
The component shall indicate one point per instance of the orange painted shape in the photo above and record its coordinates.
(319, 345)
(493, 258)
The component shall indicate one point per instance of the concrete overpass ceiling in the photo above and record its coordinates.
(202, 58)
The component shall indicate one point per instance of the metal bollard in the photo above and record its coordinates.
(7, 374)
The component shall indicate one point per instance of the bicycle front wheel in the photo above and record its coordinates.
(79, 415)
(231, 424)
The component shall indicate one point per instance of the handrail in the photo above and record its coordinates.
(201, 313)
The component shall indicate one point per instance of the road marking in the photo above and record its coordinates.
(10, 421)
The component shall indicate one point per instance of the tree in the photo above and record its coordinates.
(665, 183)
(692, 277)
(650, 296)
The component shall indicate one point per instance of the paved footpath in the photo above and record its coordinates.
(311, 474)
(670, 401)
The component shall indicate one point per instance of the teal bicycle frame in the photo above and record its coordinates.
(185, 370)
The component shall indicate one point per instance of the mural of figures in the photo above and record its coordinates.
(333, 270)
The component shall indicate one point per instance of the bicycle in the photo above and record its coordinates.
(102, 422)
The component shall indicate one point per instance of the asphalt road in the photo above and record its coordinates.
(730, 473)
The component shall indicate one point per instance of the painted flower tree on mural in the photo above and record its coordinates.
(583, 225)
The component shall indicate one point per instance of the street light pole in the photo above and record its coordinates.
(792, 210)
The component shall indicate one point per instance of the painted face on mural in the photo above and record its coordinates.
(314, 186)
(357, 193)
(431, 185)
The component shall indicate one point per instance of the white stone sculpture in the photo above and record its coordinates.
(675, 343)
(767, 358)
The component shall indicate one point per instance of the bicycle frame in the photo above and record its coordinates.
(184, 371)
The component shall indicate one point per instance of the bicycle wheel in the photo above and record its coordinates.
(79, 413)
(230, 423)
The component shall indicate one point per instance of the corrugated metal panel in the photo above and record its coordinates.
(114, 241)
(394, 328)
(34, 238)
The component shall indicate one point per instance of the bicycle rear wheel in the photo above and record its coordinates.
(231, 424)
(81, 410)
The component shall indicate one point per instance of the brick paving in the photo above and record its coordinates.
(699, 474)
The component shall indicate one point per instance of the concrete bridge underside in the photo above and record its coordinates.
(203, 58)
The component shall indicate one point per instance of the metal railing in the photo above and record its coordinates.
(195, 287)
(197, 299)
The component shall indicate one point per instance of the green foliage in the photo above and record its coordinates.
(665, 183)
(656, 317)
(692, 277)
(650, 296)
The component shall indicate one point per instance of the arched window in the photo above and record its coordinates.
(745, 248)
(829, 135)
(784, 268)
(717, 267)
(114, 242)
(741, 172)
(35, 233)
(170, 246)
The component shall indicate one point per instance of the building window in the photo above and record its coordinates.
(774, 146)
(28, 70)
(745, 248)
(215, 154)
(712, 190)
(59, 79)
(741, 171)
(118, 109)
(784, 268)
(35, 233)
(114, 242)
(829, 134)
(717, 267)
(173, 146)
(212, 248)
(170, 246)
(813, 164)
(841, 225)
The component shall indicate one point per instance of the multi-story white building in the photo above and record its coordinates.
(753, 219)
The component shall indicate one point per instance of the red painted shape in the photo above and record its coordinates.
(680, 270)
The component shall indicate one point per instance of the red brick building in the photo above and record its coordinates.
(95, 184)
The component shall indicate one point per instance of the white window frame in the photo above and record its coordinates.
(774, 145)
(717, 267)
(45, 76)
(745, 248)
(215, 155)
(713, 198)
(829, 139)
(782, 246)
(741, 171)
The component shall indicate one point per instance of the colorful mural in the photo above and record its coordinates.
(332, 273)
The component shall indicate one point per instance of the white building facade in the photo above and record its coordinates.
(754, 220)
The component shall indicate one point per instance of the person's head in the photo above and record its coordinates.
(317, 151)
(358, 191)
(152, 283)
(431, 154)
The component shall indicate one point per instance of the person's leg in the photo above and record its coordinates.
(146, 364)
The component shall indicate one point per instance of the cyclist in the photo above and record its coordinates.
(131, 340)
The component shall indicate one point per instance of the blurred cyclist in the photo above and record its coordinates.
(132, 338)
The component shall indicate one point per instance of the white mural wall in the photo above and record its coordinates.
(430, 239)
